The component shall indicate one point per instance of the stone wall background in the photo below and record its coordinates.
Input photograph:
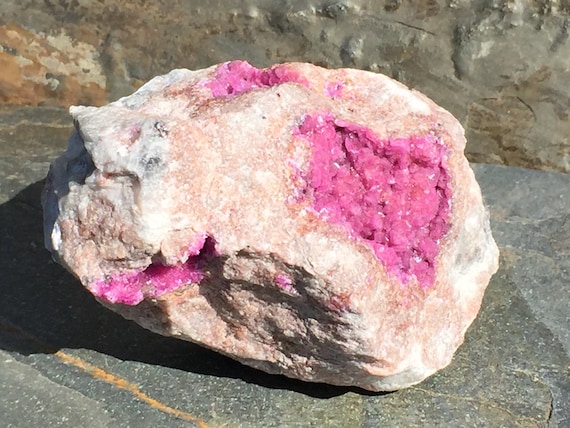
(502, 67)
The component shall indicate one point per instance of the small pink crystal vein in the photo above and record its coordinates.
(237, 77)
(131, 288)
(334, 89)
(285, 282)
(393, 194)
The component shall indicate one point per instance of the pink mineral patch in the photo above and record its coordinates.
(133, 287)
(393, 194)
(334, 89)
(285, 282)
(236, 77)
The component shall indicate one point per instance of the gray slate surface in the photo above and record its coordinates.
(65, 361)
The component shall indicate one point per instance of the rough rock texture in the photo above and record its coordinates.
(500, 66)
(322, 224)
(49, 68)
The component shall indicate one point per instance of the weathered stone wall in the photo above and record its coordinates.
(501, 66)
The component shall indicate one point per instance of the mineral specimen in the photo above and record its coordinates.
(321, 224)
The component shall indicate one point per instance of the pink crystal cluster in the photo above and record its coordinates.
(157, 279)
(131, 288)
(237, 77)
(394, 194)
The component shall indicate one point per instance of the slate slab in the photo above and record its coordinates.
(66, 360)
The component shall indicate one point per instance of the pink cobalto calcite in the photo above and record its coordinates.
(322, 224)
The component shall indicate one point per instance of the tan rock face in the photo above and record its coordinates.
(48, 68)
(322, 224)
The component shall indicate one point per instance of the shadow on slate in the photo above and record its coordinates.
(43, 308)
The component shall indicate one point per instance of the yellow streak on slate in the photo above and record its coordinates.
(102, 375)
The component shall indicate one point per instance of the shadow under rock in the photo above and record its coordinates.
(43, 308)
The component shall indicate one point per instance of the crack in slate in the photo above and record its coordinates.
(482, 402)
